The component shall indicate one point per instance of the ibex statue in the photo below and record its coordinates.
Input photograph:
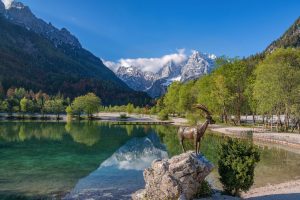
(195, 133)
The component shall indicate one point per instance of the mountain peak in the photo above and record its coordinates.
(17, 5)
(135, 78)
(7, 3)
(20, 14)
(198, 64)
(195, 55)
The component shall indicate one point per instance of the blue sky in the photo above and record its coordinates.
(114, 29)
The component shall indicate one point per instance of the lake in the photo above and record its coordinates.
(50, 160)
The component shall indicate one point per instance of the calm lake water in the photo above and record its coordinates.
(48, 160)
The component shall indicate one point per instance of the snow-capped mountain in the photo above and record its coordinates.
(197, 65)
(122, 173)
(155, 84)
(136, 78)
(170, 70)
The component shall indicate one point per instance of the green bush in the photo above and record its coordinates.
(205, 190)
(163, 115)
(123, 116)
(236, 165)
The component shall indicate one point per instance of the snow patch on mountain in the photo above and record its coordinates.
(169, 81)
(7, 3)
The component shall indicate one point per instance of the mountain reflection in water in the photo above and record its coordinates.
(121, 174)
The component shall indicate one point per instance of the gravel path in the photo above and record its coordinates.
(289, 139)
(283, 191)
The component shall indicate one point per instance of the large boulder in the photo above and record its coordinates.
(177, 178)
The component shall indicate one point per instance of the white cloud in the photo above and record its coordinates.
(148, 64)
(7, 3)
(111, 65)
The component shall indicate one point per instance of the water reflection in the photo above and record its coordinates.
(121, 174)
(47, 159)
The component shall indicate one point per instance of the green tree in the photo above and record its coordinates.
(89, 104)
(153, 110)
(69, 110)
(129, 108)
(171, 98)
(4, 106)
(20, 93)
(276, 88)
(25, 105)
(55, 106)
(163, 115)
(77, 106)
(185, 97)
(236, 163)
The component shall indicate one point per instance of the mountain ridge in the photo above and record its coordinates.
(290, 38)
(41, 59)
(155, 84)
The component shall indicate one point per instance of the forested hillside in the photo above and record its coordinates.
(29, 60)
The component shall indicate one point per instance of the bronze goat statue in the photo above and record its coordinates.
(195, 133)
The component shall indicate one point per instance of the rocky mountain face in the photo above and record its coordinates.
(291, 38)
(136, 78)
(21, 15)
(155, 84)
(197, 65)
(37, 56)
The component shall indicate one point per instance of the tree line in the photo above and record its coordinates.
(26, 102)
(19, 100)
(267, 85)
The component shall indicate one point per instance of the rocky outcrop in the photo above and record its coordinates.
(177, 178)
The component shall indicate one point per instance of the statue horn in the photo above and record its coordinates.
(202, 107)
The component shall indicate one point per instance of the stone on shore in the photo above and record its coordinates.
(177, 178)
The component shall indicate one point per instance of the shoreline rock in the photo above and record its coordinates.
(177, 178)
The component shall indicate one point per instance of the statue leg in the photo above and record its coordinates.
(182, 146)
(199, 143)
(196, 146)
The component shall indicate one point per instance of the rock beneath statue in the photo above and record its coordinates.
(177, 178)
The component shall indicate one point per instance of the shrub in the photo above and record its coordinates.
(205, 190)
(123, 116)
(163, 115)
(236, 165)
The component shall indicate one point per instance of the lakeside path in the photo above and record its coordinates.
(283, 139)
(284, 191)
